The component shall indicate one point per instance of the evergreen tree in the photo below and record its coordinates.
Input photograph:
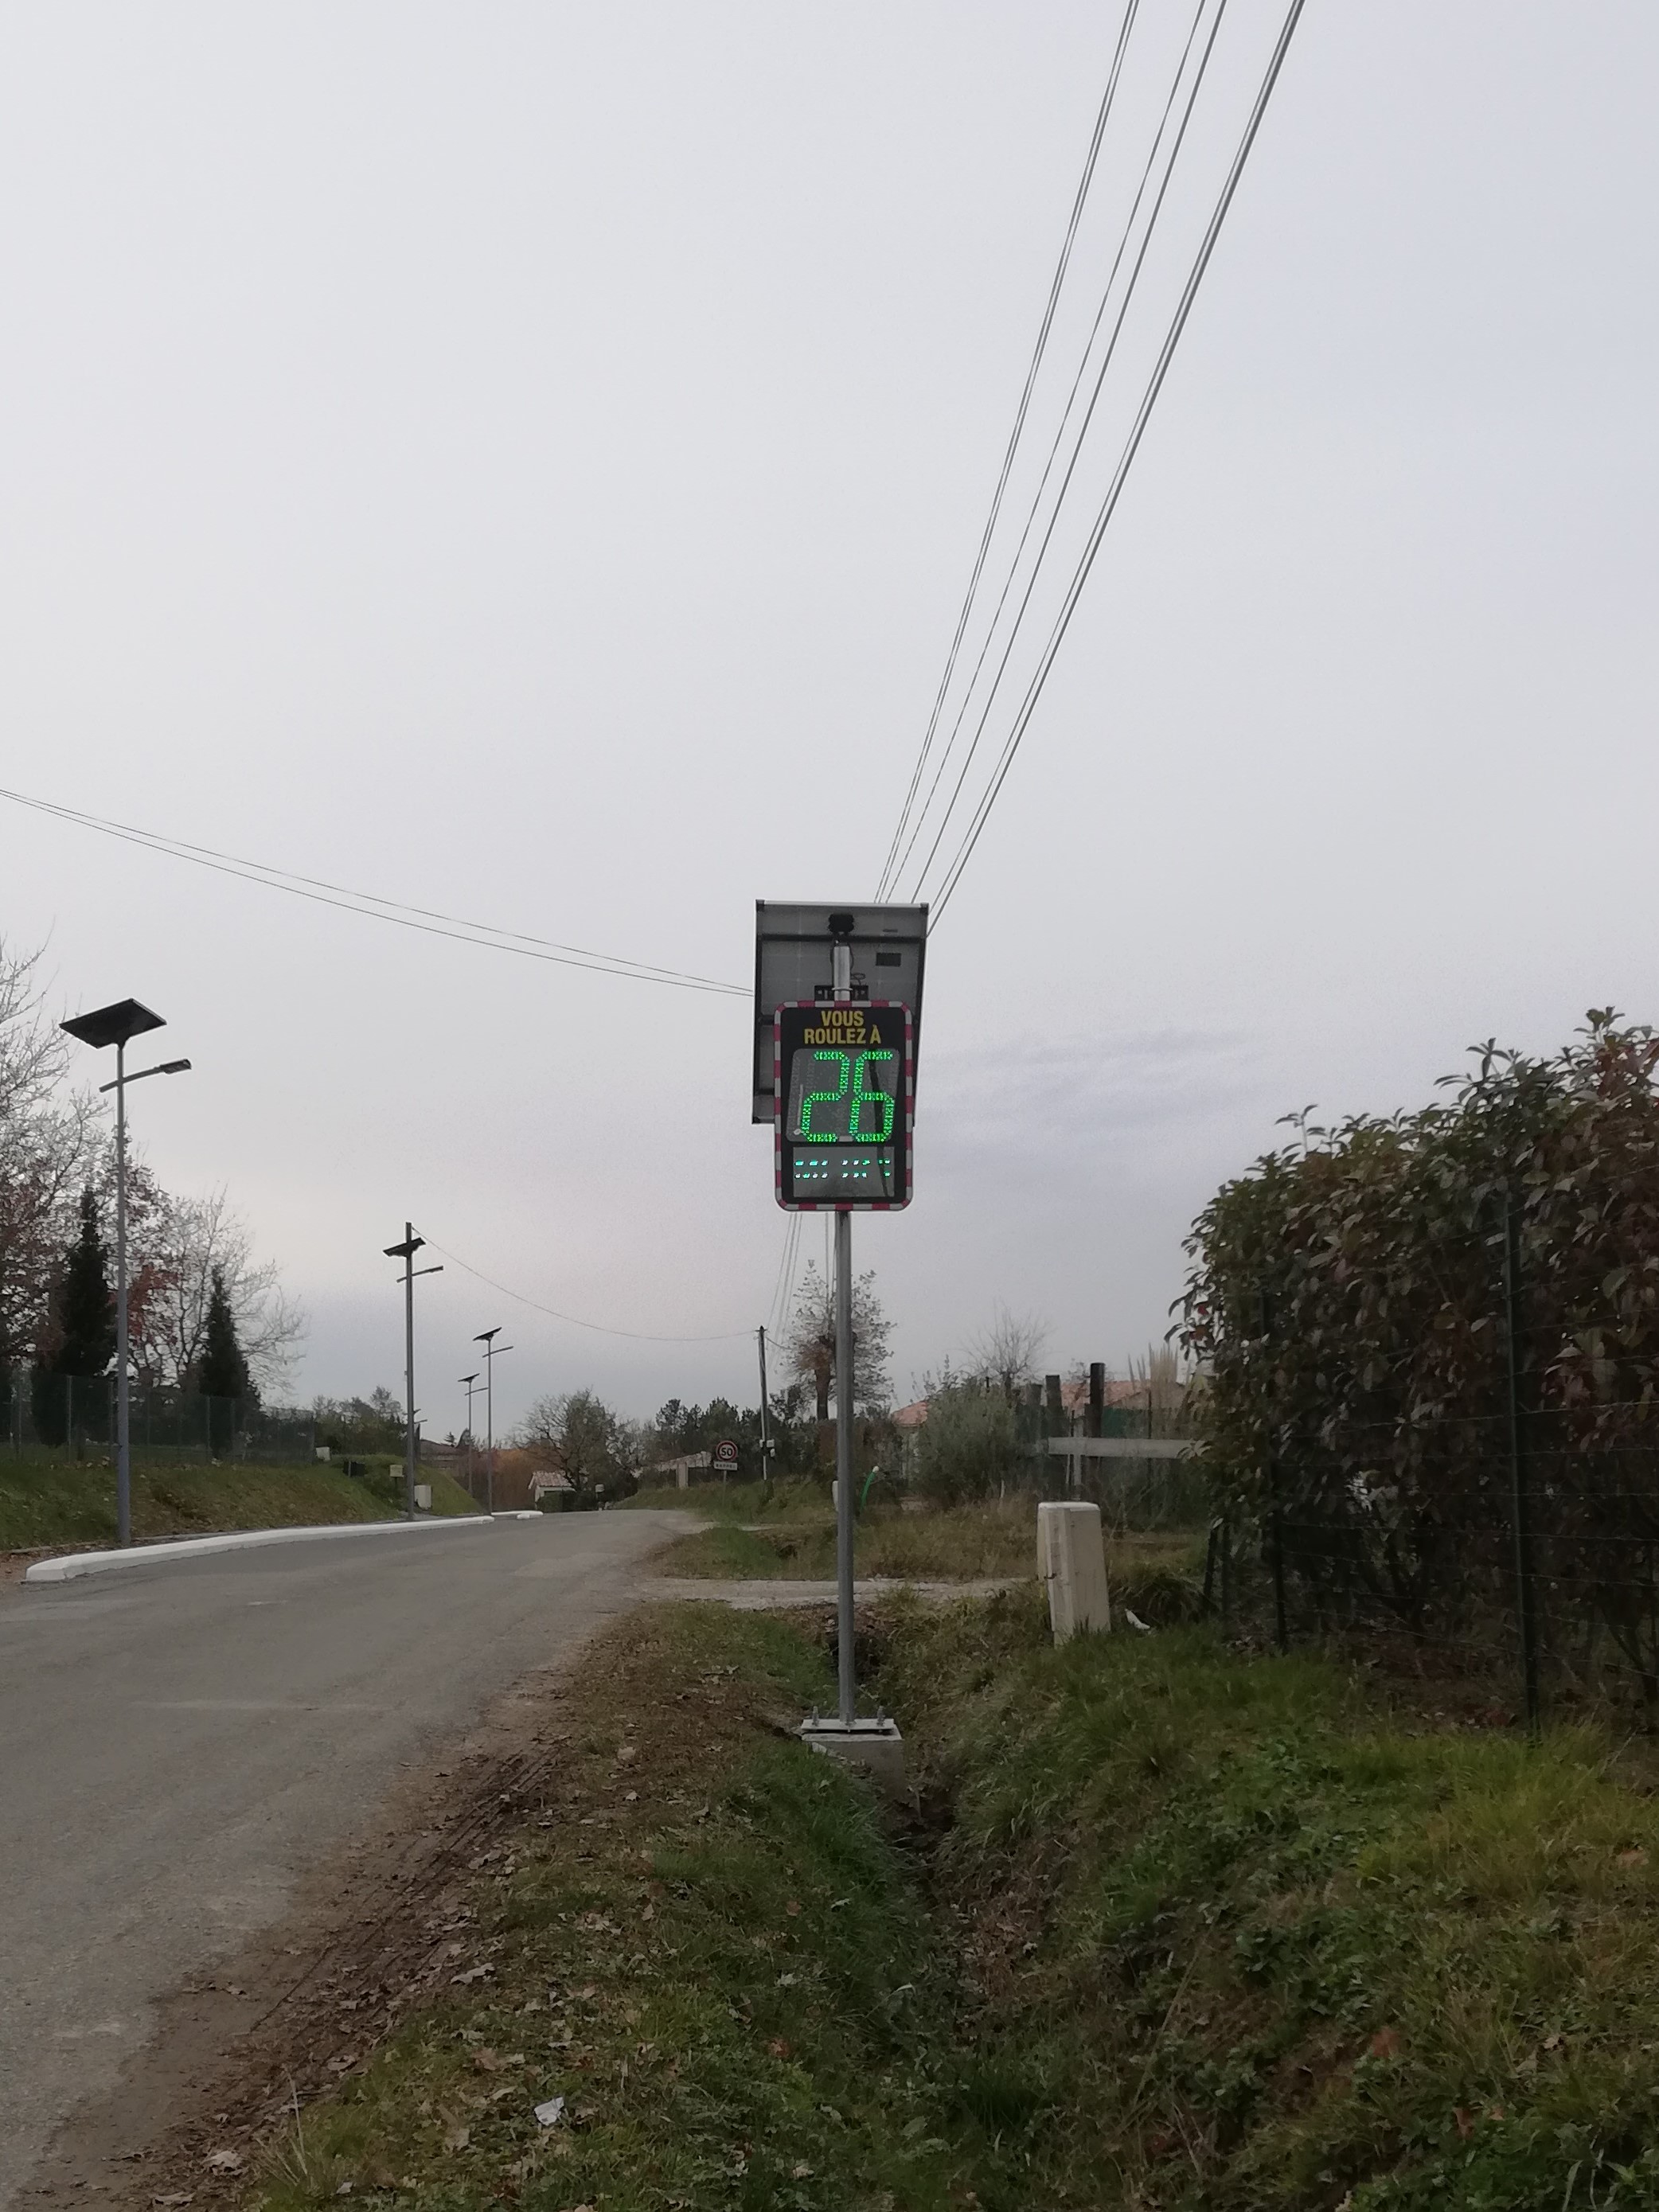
(81, 1338)
(224, 1373)
(85, 1304)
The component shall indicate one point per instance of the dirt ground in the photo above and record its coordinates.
(374, 1932)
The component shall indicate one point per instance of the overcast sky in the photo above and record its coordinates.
(528, 460)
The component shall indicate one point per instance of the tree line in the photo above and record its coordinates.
(203, 1313)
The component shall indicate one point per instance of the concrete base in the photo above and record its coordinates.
(1072, 1561)
(876, 1746)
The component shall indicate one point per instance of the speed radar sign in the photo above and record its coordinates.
(843, 1091)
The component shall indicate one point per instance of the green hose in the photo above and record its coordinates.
(864, 1495)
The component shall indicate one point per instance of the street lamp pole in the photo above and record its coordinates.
(405, 1252)
(472, 1382)
(492, 1351)
(116, 1024)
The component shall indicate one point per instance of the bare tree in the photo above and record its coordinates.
(811, 1339)
(1007, 1353)
(182, 1242)
(49, 1145)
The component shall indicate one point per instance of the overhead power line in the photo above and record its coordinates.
(599, 1329)
(373, 907)
(920, 820)
(1149, 399)
(1040, 348)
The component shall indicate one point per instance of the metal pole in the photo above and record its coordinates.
(409, 1372)
(489, 1428)
(842, 972)
(766, 1454)
(1525, 1606)
(844, 1460)
(123, 1438)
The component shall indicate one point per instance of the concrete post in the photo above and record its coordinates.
(1072, 1561)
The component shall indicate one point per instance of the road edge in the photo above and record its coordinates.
(73, 1564)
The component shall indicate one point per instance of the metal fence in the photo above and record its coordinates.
(1141, 1485)
(72, 1417)
(1503, 1549)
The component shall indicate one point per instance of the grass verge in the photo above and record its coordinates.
(968, 1543)
(1186, 1931)
(1254, 1945)
(771, 1501)
(704, 1944)
(49, 1504)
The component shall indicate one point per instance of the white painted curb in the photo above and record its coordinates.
(518, 1513)
(240, 1540)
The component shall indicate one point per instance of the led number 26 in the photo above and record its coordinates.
(851, 1071)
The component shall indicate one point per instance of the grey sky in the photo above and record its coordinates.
(528, 460)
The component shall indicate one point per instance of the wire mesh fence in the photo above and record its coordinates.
(45, 1415)
(1505, 1535)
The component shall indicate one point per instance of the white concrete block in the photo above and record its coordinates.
(424, 1497)
(874, 1744)
(1072, 1561)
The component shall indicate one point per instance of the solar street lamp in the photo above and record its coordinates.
(492, 1351)
(118, 1024)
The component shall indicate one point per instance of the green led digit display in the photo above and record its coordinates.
(839, 1096)
(844, 1128)
(883, 1101)
(820, 1064)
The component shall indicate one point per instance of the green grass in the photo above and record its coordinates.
(53, 1502)
(780, 1502)
(729, 1974)
(1256, 1946)
(1182, 1932)
(968, 1543)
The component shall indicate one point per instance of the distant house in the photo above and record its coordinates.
(674, 1473)
(549, 1482)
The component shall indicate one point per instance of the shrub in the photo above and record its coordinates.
(1346, 1298)
(966, 1448)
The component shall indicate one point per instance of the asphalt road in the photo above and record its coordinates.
(179, 1742)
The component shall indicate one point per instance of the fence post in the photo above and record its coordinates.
(1275, 1514)
(1226, 1572)
(1525, 1605)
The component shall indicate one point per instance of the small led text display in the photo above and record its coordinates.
(843, 1090)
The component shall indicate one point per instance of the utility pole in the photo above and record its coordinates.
(766, 1446)
(405, 1252)
(492, 1352)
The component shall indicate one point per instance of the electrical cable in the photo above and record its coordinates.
(1155, 384)
(1093, 156)
(396, 911)
(1173, 157)
(638, 1335)
(1066, 414)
